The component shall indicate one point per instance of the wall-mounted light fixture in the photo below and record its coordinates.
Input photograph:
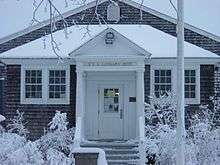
(109, 38)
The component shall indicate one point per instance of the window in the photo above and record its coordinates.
(57, 84)
(33, 84)
(190, 84)
(162, 82)
(111, 100)
(45, 84)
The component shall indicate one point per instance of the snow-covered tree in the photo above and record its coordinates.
(59, 122)
(2, 118)
(29, 154)
(55, 157)
(203, 136)
(17, 124)
(58, 136)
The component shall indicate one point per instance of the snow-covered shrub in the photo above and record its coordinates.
(55, 157)
(10, 142)
(161, 110)
(58, 136)
(59, 122)
(17, 125)
(2, 118)
(206, 137)
(26, 155)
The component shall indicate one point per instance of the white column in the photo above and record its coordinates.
(79, 94)
(180, 157)
(140, 92)
(140, 114)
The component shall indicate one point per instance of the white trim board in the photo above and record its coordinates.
(45, 83)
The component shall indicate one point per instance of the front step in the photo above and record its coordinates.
(118, 152)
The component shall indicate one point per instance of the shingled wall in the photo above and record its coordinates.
(129, 15)
(36, 116)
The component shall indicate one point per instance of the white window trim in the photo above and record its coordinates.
(174, 79)
(59, 100)
(162, 67)
(45, 85)
(197, 99)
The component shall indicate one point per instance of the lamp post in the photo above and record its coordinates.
(180, 156)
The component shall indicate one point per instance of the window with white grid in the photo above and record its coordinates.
(57, 84)
(33, 84)
(190, 84)
(162, 82)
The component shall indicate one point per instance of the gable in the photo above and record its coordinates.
(131, 15)
(119, 46)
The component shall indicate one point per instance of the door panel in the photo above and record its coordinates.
(111, 106)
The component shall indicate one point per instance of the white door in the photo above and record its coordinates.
(110, 112)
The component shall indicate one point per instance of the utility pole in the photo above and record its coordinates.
(180, 153)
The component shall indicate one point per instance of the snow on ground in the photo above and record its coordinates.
(145, 36)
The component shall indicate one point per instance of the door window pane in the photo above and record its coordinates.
(111, 100)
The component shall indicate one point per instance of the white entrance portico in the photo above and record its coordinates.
(110, 87)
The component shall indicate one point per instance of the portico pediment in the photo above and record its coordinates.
(109, 44)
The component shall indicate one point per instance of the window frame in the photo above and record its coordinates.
(45, 85)
(160, 83)
(195, 100)
(67, 84)
(160, 66)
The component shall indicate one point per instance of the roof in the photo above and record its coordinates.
(158, 43)
(193, 35)
(24, 9)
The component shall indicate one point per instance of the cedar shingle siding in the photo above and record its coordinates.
(129, 15)
(147, 83)
(36, 116)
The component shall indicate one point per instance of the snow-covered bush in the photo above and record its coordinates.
(17, 125)
(206, 138)
(161, 110)
(202, 140)
(58, 136)
(10, 142)
(59, 122)
(55, 157)
(52, 148)
(2, 118)
(26, 155)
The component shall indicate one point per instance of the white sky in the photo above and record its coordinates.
(16, 15)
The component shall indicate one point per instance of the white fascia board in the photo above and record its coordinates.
(37, 61)
(72, 61)
(172, 60)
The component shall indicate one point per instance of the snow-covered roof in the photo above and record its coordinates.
(24, 12)
(158, 43)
